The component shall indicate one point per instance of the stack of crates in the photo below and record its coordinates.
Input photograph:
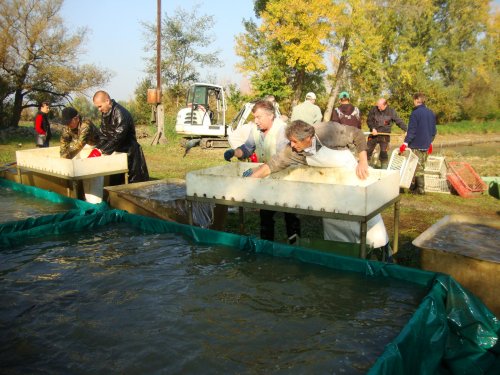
(435, 175)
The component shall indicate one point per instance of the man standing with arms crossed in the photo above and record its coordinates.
(380, 119)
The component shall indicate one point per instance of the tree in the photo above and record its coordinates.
(184, 40)
(86, 108)
(356, 49)
(285, 53)
(38, 58)
(139, 108)
(445, 48)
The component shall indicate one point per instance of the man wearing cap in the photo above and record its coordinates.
(346, 113)
(76, 134)
(307, 111)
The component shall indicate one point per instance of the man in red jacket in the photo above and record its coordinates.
(42, 126)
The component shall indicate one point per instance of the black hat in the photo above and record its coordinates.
(68, 114)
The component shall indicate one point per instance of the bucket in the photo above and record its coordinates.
(93, 189)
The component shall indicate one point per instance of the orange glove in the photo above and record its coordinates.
(95, 153)
(429, 150)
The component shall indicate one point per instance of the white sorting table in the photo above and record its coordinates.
(334, 193)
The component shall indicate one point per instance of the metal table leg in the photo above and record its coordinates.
(363, 231)
(241, 212)
(189, 212)
(395, 242)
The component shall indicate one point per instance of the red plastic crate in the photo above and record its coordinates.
(465, 180)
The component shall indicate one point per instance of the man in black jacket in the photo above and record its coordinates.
(380, 119)
(117, 133)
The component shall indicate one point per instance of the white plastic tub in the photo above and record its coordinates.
(335, 190)
(48, 161)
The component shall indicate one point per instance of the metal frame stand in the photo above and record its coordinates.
(363, 220)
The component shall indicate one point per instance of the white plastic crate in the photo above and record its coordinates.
(406, 164)
(435, 165)
(436, 184)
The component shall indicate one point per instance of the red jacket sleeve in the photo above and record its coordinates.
(38, 124)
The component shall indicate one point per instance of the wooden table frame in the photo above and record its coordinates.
(363, 220)
(73, 181)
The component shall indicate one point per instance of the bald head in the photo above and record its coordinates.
(102, 101)
(381, 104)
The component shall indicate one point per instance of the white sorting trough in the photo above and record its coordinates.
(335, 193)
(334, 190)
(47, 161)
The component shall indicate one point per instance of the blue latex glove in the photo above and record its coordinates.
(247, 173)
(228, 154)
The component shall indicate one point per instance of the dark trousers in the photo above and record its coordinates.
(383, 141)
(292, 223)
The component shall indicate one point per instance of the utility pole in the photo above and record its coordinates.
(154, 96)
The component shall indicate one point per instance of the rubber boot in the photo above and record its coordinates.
(292, 227)
(419, 186)
(267, 225)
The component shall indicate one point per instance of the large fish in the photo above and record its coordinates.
(190, 144)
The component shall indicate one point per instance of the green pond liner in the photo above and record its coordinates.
(18, 228)
(451, 332)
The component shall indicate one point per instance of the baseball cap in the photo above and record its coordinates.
(68, 114)
(311, 95)
(344, 95)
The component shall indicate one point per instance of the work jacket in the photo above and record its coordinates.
(382, 121)
(42, 125)
(347, 114)
(117, 133)
(421, 128)
(73, 140)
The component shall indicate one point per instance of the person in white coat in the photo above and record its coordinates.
(326, 144)
(266, 138)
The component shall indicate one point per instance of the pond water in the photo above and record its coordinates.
(472, 240)
(118, 301)
(479, 150)
(20, 206)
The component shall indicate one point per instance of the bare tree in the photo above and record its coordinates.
(39, 58)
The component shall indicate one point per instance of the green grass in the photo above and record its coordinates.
(417, 212)
(470, 127)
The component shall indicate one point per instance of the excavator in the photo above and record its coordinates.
(203, 121)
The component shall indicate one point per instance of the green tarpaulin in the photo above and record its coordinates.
(451, 332)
